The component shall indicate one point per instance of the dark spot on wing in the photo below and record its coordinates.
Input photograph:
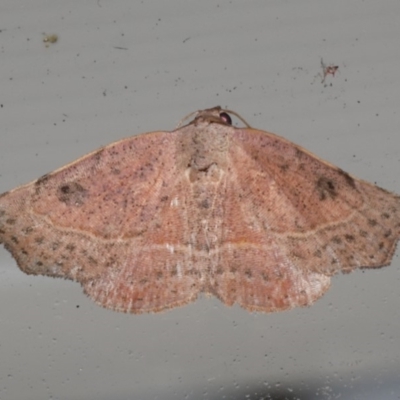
(205, 204)
(39, 239)
(55, 246)
(326, 188)
(70, 247)
(42, 180)
(284, 167)
(349, 180)
(72, 193)
(97, 155)
(349, 238)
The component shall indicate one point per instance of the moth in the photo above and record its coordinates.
(149, 222)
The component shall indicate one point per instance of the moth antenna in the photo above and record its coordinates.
(186, 118)
(181, 122)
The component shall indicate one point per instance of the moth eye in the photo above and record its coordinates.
(226, 118)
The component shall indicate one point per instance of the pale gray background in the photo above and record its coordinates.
(260, 58)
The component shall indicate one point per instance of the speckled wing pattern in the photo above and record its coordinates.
(149, 222)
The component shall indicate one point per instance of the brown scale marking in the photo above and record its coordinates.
(11, 221)
(381, 245)
(219, 270)
(298, 154)
(248, 273)
(233, 269)
(72, 194)
(205, 204)
(372, 222)
(14, 239)
(336, 240)
(326, 188)
(349, 180)
(55, 245)
(349, 238)
(384, 191)
(97, 155)
(297, 255)
(28, 230)
(318, 253)
(42, 180)
(40, 183)
(70, 247)
(111, 262)
(189, 272)
(39, 239)
(92, 260)
(265, 276)
(284, 167)
(159, 275)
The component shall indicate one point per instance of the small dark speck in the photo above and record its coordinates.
(349, 238)
(337, 240)
(248, 273)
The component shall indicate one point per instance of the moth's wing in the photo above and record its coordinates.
(295, 220)
(113, 220)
